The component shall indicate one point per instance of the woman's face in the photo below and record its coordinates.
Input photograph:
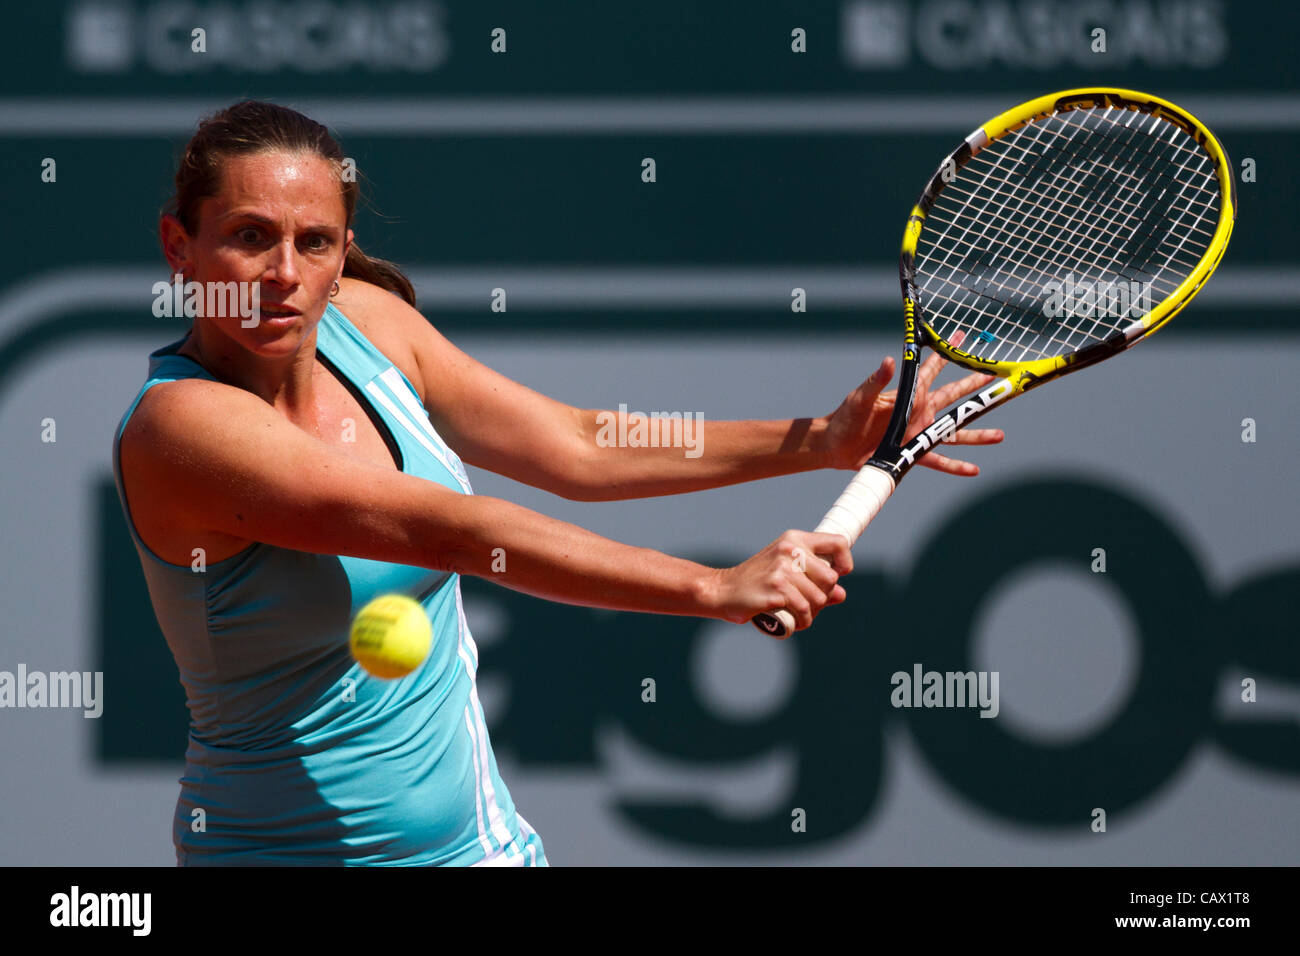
(278, 223)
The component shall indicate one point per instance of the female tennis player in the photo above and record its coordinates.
(279, 474)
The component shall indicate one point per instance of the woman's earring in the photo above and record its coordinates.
(335, 291)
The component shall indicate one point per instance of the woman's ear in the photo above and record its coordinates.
(347, 247)
(175, 242)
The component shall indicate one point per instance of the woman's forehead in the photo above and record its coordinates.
(276, 178)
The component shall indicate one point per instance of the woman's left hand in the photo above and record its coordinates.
(855, 428)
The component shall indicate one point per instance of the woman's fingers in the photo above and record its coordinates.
(929, 371)
(806, 571)
(799, 572)
(834, 548)
(967, 436)
(867, 392)
(976, 436)
(950, 466)
(794, 602)
(816, 586)
(880, 377)
(949, 393)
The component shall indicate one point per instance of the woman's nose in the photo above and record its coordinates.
(283, 266)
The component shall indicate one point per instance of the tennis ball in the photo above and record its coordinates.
(391, 636)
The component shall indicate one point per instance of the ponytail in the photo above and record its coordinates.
(378, 272)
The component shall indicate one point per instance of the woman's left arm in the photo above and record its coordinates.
(716, 453)
(505, 427)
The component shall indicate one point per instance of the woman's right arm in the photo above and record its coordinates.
(218, 459)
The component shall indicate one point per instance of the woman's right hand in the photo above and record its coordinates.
(789, 573)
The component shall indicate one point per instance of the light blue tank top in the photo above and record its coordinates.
(296, 755)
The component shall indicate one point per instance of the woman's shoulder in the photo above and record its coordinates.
(387, 320)
(177, 426)
(170, 410)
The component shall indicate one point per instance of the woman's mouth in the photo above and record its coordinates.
(278, 315)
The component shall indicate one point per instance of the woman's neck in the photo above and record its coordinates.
(286, 382)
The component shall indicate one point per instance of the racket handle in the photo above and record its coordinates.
(848, 517)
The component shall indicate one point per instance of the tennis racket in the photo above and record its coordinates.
(1056, 235)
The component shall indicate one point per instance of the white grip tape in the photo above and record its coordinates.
(848, 517)
(861, 501)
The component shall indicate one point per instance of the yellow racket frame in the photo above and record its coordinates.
(1024, 374)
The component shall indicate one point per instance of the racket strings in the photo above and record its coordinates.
(1127, 206)
(1016, 253)
(1111, 198)
(1061, 196)
(1110, 219)
(1060, 193)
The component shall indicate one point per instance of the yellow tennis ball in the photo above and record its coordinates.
(391, 636)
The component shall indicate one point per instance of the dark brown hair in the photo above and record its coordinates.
(253, 126)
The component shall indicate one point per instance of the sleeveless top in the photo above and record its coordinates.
(296, 755)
